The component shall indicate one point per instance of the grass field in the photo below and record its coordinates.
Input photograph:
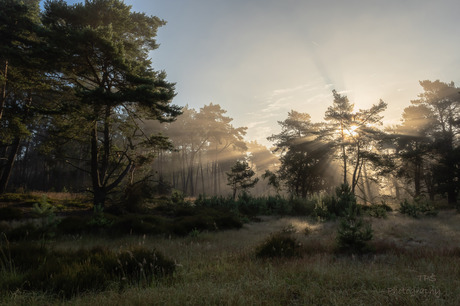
(417, 262)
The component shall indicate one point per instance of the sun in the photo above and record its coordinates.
(352, 131)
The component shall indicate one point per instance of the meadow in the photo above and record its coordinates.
(415, 261)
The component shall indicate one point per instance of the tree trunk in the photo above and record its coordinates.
(452, 196)
(99, 193)
(99, 196)
(354, 180)
(344, 156)
(6, 173)
(3, 97)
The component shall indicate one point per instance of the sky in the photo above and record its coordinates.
(259, 59)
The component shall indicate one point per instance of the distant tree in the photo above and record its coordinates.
(414, 147)
(341, 116)
(240, 177)
(304, 156)
(102, 51)
(443, 101)
(226, 143)
(23, 79)
(273, 180)
(356, 135)
(262, 157)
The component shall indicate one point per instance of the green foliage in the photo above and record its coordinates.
(99, 220)
(111, 89)
(178, 220)
(417, 207)
(46, 213)
(211, 219)
(248, 206)
(177, 197)
(136, 195)
(273, 180)
(67, 273)
(302, 207)
(18, 198)
(304, 156)
(376, 210)
(279, 245)
(141, 224)
(353, 233)
(195, 233)
(333, 206)
(241, 177)
(216, 201)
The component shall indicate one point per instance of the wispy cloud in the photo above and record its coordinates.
(255, 124)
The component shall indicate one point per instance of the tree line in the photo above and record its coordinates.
(81, 108)
(418, 157)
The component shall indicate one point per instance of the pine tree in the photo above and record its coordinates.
(102, 51)
(241, 177)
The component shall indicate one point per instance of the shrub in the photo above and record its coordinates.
(376, 210)
(250, 206)
(353, 233)
(178, 197)
(302, 207)
(279, 245)
(338, 205)
(46, 213)
(140, 224)
(407, 208)
(216, 202)
(419, 205)
(136, 195)
(68, 273)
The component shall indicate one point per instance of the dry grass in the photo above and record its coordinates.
(417, 264)
(59, 196)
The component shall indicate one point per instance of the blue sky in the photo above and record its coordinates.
(259, 59)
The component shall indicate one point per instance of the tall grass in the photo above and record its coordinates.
(215, 268)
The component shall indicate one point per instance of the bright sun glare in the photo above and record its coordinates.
(352, 131)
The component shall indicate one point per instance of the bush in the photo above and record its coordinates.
(302, 207)
(376, 210)
(216, 202)
(250, 206)
(353, 233)
(204, 218)
(418, 206)
(69, 273)
(338, 205)
(136, 195)
(279, 245)
(140, 225)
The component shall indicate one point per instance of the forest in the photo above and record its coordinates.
(93, 148)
